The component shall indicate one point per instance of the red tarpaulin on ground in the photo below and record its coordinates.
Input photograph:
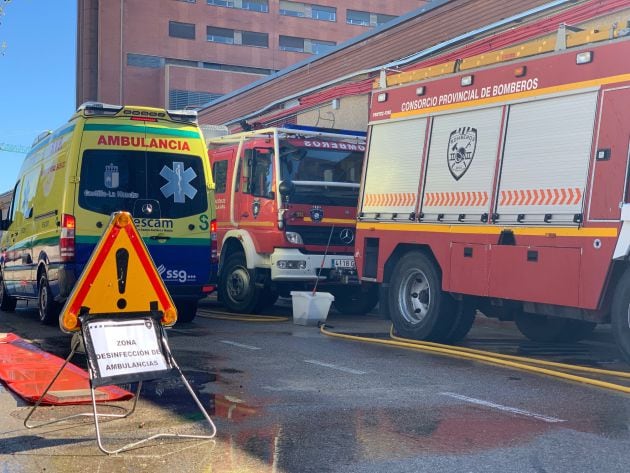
(27, 370)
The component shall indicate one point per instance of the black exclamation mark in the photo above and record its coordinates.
(122, 259)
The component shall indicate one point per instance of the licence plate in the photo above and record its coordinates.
(343, 263)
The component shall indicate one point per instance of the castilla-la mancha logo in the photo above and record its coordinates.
(461, 150)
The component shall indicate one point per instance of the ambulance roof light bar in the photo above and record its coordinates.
(184, 116)
(98, 108)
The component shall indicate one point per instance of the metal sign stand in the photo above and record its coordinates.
(96, 379)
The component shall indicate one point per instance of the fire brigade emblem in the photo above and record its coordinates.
(461, 150)
(317, 214)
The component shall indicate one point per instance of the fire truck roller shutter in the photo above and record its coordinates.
(461, 165)
(393, 169)
(546, 157)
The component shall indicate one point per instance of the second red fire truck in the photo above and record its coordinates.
(286, 210)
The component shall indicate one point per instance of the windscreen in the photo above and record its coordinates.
(113, 180)
(322, 175)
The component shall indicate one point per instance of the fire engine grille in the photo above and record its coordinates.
(318, 235)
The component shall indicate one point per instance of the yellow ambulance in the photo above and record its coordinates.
(150, 162)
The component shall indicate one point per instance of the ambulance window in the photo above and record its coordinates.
(219, 172)
(16, 194)
(178, 183)
(112, 180)
(29, 188)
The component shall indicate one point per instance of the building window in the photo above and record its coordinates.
(251, 38)
(181, 62)
(220, 35)
(180, 99)
(319, 12)
(303, 45)
(381, 18)
(181, 30)
(355, 17)
(363, 18)
(143, 60)
(290, 43)
(252, 5)
(232, 68)
(245, 38)
(321, 47)
(307, 10)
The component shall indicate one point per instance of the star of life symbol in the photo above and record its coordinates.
(178, 182)
(461, 150)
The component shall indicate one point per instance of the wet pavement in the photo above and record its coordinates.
(286, 398)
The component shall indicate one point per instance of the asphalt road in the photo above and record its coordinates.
(286, 398)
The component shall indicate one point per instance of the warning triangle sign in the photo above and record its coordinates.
(119, 277)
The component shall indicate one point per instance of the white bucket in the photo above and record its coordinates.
(309, 308)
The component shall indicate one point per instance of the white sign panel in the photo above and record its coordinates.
(126, 347)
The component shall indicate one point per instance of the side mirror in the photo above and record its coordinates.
(286, 188)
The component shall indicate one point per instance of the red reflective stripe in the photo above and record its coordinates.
(95, 266)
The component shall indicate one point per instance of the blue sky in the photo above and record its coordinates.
(37, 74)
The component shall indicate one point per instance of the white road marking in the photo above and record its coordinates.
(501, 407)
(240, 345)
(334, 367)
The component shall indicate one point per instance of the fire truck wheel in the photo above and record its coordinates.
(540, 328)
(266, 299)
(186, 311)
(47, 308)
(236, 286)
(354, 301)
(463, 322)
(620, 317)
(418, 307)
(7, 303)
(576, 330)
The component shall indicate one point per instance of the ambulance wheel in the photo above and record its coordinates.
(7, 303)
(48, 310)
(418, 307)
(237, 286)
(186, 311)
(351, 301)
(540, 328)
(620, 317)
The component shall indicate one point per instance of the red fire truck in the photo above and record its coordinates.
(504, 189)
(286, 211)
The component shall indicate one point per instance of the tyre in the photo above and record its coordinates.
(48, 310)
(266, 299)
(186, 310)
(7, 302)
(354, 301)
(576, 330)
(540, 328)
(418, 307)
(620, 316)
(463, 322)
(237, 287)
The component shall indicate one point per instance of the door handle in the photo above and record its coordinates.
(245, 214)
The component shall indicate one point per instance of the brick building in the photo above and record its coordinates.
(185, 53)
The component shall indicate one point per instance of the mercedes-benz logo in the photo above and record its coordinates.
(346, 236)
(147, 209)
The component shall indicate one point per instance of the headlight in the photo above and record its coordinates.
(293, 237)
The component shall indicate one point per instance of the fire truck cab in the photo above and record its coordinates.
(503, 187)
(286, 212)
